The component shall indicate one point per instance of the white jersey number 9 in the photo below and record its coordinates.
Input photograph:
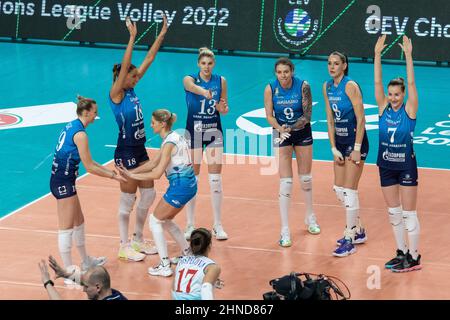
(61, 140)
(289, 113)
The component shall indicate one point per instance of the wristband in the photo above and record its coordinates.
(357, 147)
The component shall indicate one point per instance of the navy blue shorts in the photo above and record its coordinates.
(62, 187)
(180, 191)
(130, 156)
(300, 138)
(212, 138)
(346, 149)
(390, 177)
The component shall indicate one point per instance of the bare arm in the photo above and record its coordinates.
(413, 101)
(331, 128)
(222, 105)
(81, 141)
(268, 105)
(306, 105)
(189, 85)
(150, 57)
(150, 165)
(45, 276)
(353, 92)
(116, 92)
(380, 96)
(212, 273)
(158, 171)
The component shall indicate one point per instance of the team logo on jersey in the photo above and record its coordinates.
(297, 23)
(9, 119)
(276, 91)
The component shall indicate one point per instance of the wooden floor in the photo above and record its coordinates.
(251, 257)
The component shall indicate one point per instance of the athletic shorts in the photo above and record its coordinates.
(180, 191)
(390, 177)
(346, 149)
(130, 156)
(302, 137)
(62, 187)
(212, 138)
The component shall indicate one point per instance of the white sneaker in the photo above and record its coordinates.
(161, 270)
(311, 223)
(143, 247)
(285, 240)
(92, 262)
(188, 231)
(186, 252)
(126, 252)
(174, 260)
(219, 233)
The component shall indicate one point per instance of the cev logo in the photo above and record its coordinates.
(245, 123)
(9, 119)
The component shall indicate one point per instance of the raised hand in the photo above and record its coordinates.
(207, 94)
(406, 46)
(165, 25)
(131, 26)
(380, 45)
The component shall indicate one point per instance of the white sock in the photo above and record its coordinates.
(156, 226)
(65, 246)
(285, 201)
(412, 226)
(306, 185)
(147, 197)
(176, 234)
(79, 239)
(215, 184)
(190, 210)
(396, 220)
(125, 207)
(351, 207)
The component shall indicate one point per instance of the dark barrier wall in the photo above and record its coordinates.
(313, 27)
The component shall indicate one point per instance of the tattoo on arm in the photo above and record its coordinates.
(307, 107)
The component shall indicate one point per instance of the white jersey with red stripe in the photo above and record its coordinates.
(189, 275)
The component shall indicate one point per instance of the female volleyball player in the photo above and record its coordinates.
(288, 104)
(206, 98)
(73, 147)
(349, 145)
(196, 275)
(130, 150)
(173, 159)
(396, 158)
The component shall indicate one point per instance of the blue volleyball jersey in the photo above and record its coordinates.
(287, 103)
(202, 113)
(396, 133)
(342, 108)
(130, 119)
(66, 158)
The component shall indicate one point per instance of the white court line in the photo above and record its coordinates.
(217, 248)
(271, 157)
(39, 285)
(45, 195)
(43, 161)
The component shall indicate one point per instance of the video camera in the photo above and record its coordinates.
(312, 287)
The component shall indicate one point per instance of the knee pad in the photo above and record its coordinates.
(126, 204)
(395, 216)
(148, 195)
(306, 182)
(215, 182)
(411, 222)
(351, 199)
(154, 221)
(339, 193)
(285, 187)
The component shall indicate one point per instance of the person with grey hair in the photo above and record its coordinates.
(96, 282)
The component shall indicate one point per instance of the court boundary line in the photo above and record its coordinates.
(45, 195)
(228, 247)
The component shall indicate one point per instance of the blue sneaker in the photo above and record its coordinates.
(360, 237)
(346, 249)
